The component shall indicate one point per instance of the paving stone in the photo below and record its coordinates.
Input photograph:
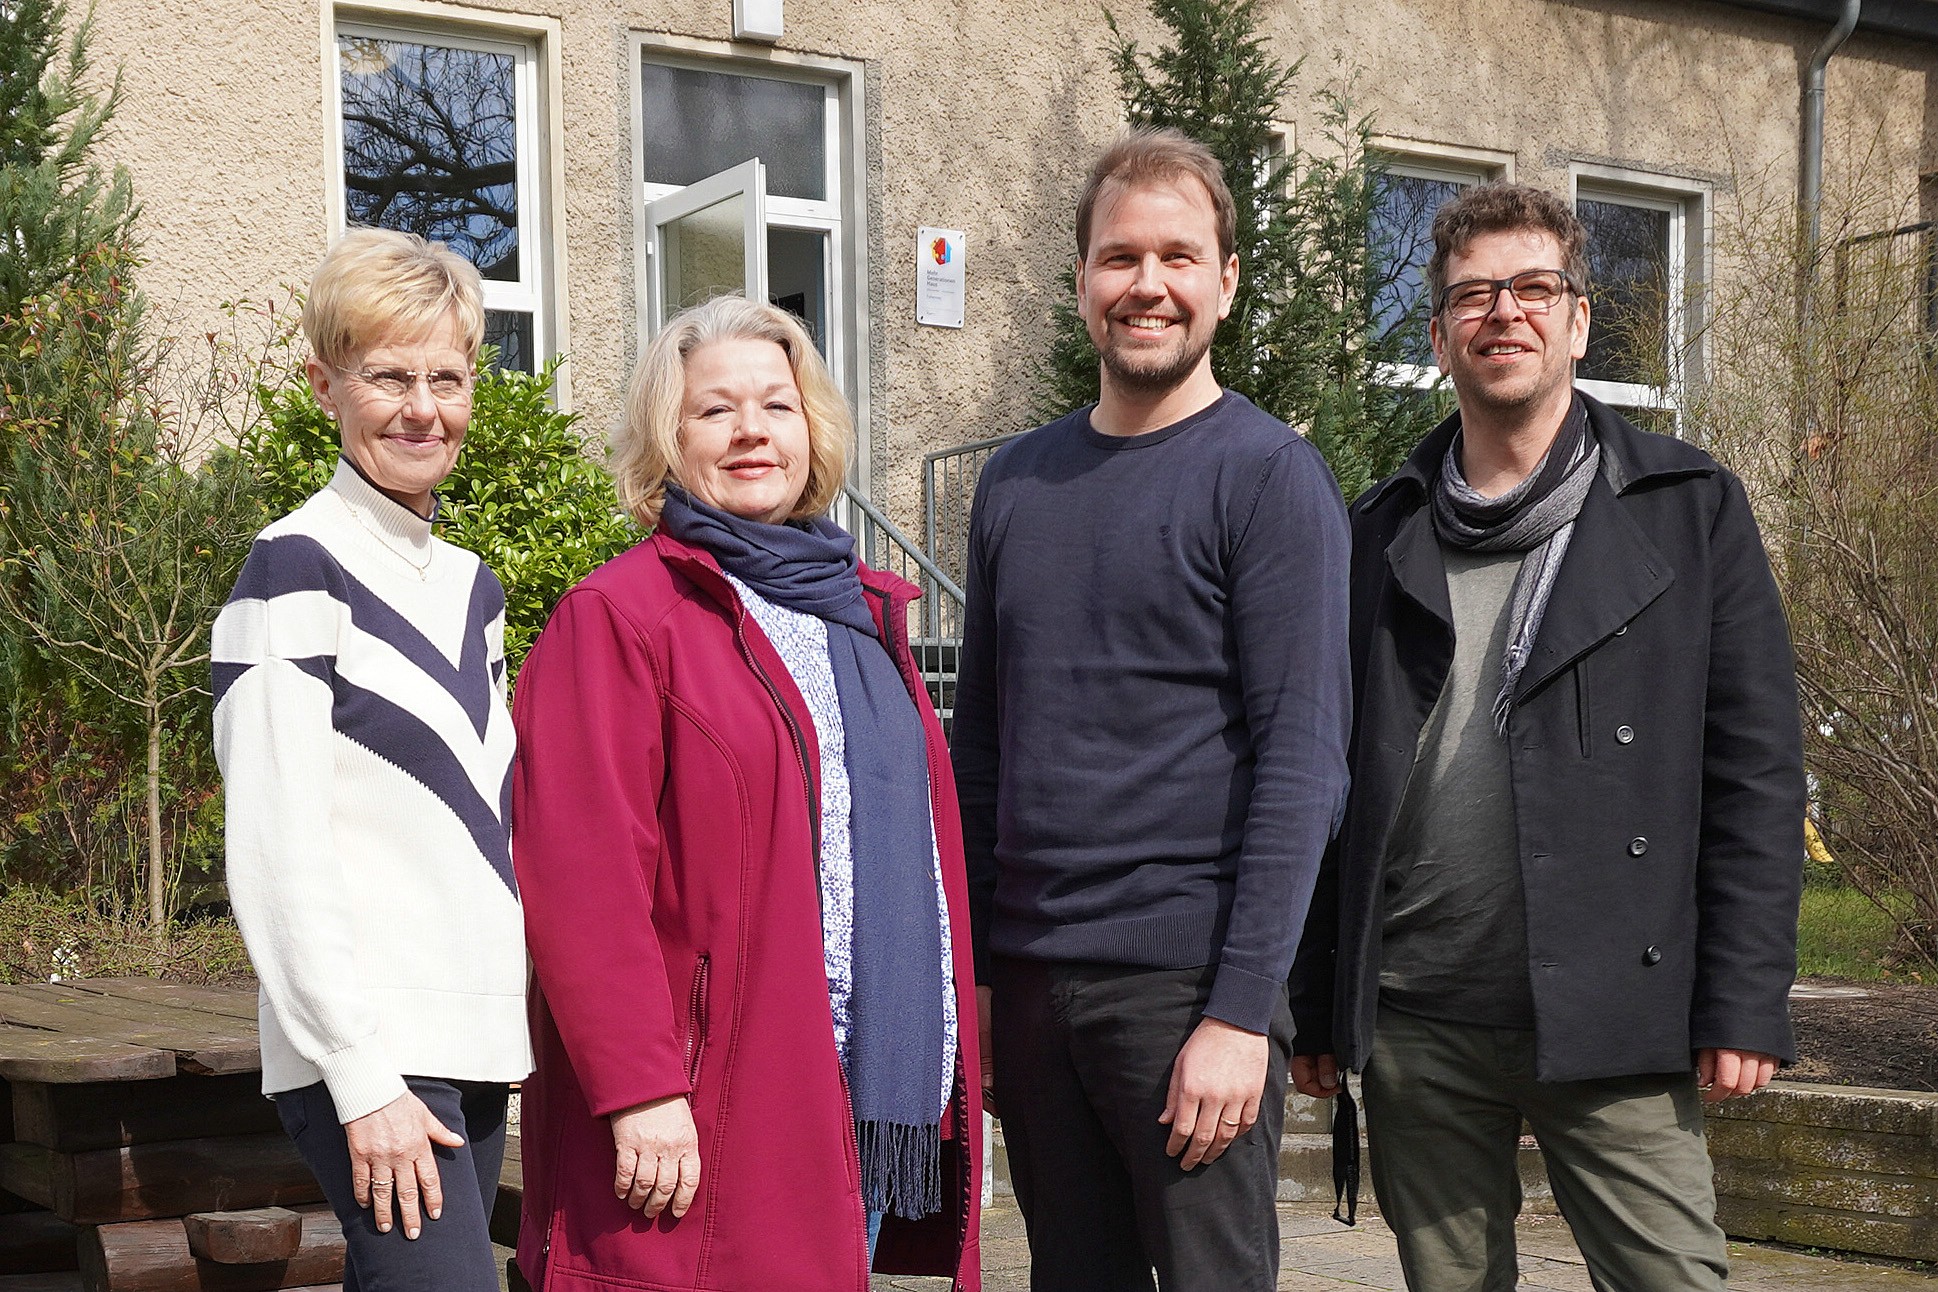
(1321, 1255)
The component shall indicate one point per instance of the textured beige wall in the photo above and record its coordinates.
(982, 116)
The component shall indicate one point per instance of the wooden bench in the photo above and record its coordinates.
(130, 1111)
(137, 1153)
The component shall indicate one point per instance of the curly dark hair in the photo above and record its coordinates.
(1503, 207)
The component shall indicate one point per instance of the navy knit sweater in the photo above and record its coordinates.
(1151, 722)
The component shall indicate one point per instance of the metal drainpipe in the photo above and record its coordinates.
(1810, 180)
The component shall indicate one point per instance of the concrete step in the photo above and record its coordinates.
(1305, 1160)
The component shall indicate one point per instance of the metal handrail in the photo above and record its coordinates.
(938, 627)
(914, 553)
(949, 476)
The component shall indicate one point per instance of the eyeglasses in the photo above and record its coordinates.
(447, 385)
(1537, 290)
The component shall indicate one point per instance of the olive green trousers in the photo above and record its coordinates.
(1624, 1155)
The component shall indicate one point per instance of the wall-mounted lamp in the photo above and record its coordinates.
(757, 19)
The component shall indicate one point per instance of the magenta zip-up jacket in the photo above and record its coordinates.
(664, 807)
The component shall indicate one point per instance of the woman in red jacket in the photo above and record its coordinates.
(737, 843)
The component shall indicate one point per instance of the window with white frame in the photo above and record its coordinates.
(1405, 199)
(438, 135)
(1644, 259)
(749, 182)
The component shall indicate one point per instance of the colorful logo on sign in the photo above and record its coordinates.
(939, 249)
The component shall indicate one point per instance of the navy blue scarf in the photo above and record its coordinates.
(895, 1035)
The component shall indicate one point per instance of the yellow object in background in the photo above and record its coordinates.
(1813, 844)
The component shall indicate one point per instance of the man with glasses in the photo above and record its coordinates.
(1566, 887)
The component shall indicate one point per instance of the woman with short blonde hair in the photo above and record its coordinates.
(742, 867)
(361, 726)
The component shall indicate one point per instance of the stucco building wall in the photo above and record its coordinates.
(981, 116)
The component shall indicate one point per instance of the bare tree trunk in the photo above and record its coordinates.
(157, 906)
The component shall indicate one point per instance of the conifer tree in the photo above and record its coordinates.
(120, 533)
(57, 206)
(1302, 341)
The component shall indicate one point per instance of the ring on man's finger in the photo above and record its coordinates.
(1223, 1122)
(380, 1184)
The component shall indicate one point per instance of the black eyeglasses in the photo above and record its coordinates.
(1537, 290)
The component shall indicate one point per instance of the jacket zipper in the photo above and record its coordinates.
(696, 1024)
(794, 730)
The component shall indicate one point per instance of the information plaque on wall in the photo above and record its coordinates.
(940, 279)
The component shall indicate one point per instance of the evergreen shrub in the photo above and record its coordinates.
(526, 495)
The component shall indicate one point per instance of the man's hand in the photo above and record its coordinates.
(1723, 1074)
(1316, 1075)
(657, 1156)
(985, 996)
(1216, 1085)
(391, 1161)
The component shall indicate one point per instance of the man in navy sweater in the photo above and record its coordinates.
(1150, 744)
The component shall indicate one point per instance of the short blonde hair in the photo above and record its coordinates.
(646, 450)
(378, 284)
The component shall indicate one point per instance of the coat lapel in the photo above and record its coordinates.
(1610, 573)
(1418, 568)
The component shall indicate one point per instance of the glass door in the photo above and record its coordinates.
(708, 239)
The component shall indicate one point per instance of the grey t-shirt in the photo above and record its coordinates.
(1456, 920)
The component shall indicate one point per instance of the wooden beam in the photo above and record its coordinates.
(154, 1256)
(89, 1115)
(41, 1283)
(244, 1237)
(27, 1171)
(37, 1242)
(201, 1042)
(174, 1178)
(236, 1001)
(36, 1054)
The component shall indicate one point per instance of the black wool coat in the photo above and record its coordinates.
(1657, 769)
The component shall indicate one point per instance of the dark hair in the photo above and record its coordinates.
(1502, 207)
(1146, 156)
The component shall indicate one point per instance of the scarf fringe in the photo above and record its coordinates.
(901, 1168)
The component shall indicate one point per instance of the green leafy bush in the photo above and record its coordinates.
(526, 496)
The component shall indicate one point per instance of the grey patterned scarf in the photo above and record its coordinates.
(1536, 516)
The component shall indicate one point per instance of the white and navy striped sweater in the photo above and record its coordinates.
(366, 752)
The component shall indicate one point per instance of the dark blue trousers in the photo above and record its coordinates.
(453, 1253)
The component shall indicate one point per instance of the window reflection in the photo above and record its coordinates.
(1628, 258)
(696, 123)
(1402, 227)
(430, 146)
(511, 332)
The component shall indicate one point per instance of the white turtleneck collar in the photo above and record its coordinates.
(391, 523)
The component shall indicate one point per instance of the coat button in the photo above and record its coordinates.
(1652, 956)
(1637, 846)
(1624, 735)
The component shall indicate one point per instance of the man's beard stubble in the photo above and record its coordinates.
(1152, 380)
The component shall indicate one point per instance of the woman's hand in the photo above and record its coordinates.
(391, 1161)
(658, 1156)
